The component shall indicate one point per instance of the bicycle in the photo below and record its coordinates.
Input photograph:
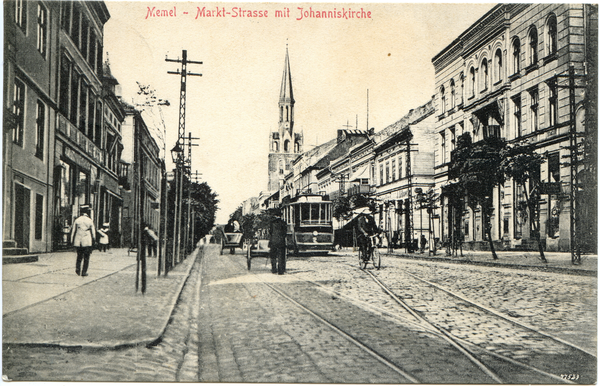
(373, 254)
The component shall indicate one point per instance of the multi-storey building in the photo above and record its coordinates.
(140, 175)
(508, 76)
(82, 171)
(110, 200)
(403, 168)
(31, 29)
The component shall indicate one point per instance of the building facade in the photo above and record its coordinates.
(141, 171)
(508, 76)
(284, 144)
(29, 118)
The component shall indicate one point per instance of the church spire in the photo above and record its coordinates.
(286, 95)
(286, 100)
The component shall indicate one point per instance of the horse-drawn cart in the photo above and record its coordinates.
(231, 241)
(258, 248)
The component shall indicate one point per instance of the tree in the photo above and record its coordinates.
(521, 163)
(428, 201)
(475, 168)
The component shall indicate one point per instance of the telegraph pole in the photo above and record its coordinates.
(180, 141)
(189, 205)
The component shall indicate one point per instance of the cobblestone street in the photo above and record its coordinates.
(230, 326)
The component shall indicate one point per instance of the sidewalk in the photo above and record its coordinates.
(46, 303)
(558, 262)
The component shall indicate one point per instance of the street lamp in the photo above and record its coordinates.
(176, 153)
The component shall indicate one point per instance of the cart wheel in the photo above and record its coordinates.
(361, 262)
(376, 257)
(248, 258)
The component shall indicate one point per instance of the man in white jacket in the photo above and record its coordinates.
(83, 237)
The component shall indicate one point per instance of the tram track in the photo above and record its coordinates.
(473, 351)
(460, 346)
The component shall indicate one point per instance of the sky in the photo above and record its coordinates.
(233, 106)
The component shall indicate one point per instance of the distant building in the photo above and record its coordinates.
(284, 144)
(507, 76)
(140, 175)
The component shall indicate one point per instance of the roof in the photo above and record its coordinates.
(286, 94)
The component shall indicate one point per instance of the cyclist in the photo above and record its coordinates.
(365, 229)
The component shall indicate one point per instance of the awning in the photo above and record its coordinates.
(360, 173)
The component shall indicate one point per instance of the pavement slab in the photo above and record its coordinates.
(101, 310)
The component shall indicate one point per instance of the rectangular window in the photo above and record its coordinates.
(553, 167)
(552, 104)
(21, 14)
(40, 124)
(19, 111)
(98, 123)
(65, 85)
(92, 50)
(90, 122)
(76, 25)
(399, 167)
(381, 174)
(74, 96)
(443, 148)
(84, 37)
(67, 7)
(393, 170)
(387, 172)
(83, 107)
(517, 116)
(99, 60)
(42, 29)
(535, 97)
(39, 216)
(452, 138)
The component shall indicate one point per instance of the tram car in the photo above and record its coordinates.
(310, 229)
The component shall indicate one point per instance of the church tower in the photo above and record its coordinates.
(284, 144)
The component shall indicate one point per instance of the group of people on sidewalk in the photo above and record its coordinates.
(84, 235)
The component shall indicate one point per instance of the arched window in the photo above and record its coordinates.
(484, 75)
(287, 113)
(296, 147)
(532, 46)
(498, 65)
(280, 113)
(452, 94)
(286, 146)
(443, 99)
(275, 146)
(551, 35)
(472, 81)
(516, 56)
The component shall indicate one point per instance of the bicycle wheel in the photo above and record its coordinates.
(362, 263)
(376, 258)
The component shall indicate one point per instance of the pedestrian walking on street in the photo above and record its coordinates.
(151, 240)
(277, 243)
(423, 243)
(103, 232)
(83, 237)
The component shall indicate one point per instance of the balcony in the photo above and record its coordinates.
(79, 139)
